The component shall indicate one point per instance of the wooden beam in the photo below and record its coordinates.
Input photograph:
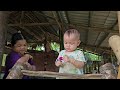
(34, 22)
(92, 48)
(22, 17)
(60, 30)
(78, 26)
(96, 29)
(106, 33)
(66, 14)
(116, 22)
(89, 24)
(102, 39)
(31, 33)
(96, 39)
(44, 15)
(51, 28)
(61, 15)
(57, 21)
(30, 24)
(60, 75)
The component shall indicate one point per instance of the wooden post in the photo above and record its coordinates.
(118, 20)
(61, 39)
(3, 32)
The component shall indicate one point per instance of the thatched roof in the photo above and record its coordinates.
(95, 26)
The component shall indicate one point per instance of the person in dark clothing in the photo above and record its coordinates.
(19, 48)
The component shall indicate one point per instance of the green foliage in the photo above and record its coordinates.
(55, 46)
(92, 57)
(40, 48)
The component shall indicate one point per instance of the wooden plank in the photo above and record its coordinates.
(60, 75)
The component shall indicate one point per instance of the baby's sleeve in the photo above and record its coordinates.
(80, 56)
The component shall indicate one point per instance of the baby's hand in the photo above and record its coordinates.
(66, 58)
(58, 63)
(60, 58)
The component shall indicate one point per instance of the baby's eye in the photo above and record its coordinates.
(72, 43)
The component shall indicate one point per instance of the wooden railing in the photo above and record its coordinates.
(58, 75)
(20, 69)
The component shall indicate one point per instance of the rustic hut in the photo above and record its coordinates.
(44, 27)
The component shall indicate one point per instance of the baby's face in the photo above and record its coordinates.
(71, 42)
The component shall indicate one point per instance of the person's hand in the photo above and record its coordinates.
(29, 66)
(66, 58)
(28, 56)
(58, 63)
(25, 58)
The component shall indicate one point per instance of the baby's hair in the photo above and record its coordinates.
(72, 30)
(17, 36)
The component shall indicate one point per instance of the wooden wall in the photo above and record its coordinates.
(45, 61)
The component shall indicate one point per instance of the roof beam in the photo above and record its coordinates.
(96, 39)
(44, 15)
(31, 33)
(103, 38)
(116, 22)
(61, 19)
(87, 31)
(106, 33)
(92, 48)
(66, 14)
(21, 25)
(34, 22)
(80, 27)
(51, 28)
(56, 19)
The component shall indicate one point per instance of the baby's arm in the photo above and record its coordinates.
(76, 63)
